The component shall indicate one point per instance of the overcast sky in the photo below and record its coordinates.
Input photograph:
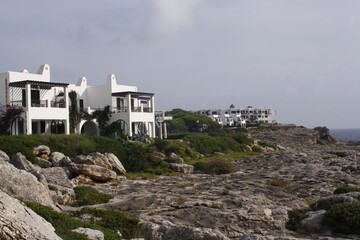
(301, 58)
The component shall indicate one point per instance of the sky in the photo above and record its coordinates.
(301, 58)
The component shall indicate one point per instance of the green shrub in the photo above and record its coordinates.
(256, 148)
(115, 220)
(266, 144)
(346, 189)
(349, 168)
(64, 223)
(344, 218)
(89, 196)
(216, 166)
(339, 154)
(295, 217)
(326, 203)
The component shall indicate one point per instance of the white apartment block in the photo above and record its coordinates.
(239, 117)
(46, 104)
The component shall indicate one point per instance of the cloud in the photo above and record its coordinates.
(172, 15)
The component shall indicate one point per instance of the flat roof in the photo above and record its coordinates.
(37, 84)
(135, 94)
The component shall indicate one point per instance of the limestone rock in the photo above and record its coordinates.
(115, 163)
(20, 162)
(80, 180)
(322, 135)
(59, 160)
(160, 155)
(57, 176)
(20, 222)
(21, 184)
(166, 230)
(4, 156)
(313, 223)
(94, 172)
(44, 163)
(174, 158)
(90, 233)
(62, 195)
(96, 159)
(42, 151)
(183, 168)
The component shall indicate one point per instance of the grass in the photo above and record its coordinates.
(86, 195)
(64, 223)
(115, 220)
(278, 183)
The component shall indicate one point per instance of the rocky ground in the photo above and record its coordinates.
(249, 204)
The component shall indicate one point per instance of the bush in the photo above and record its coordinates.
(64, 223)
(339, 154)
(326, 203)
(346, 189)
(89, 196)
(115, 220)
(295, 217)
(266, 144)
(344, 218)
(216, 166)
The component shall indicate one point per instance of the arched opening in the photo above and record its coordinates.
(17, 126)
(89, 128)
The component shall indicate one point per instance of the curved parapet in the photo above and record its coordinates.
(44, 70)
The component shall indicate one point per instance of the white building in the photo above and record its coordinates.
(239, 117)
(134, 110)
(46, 104)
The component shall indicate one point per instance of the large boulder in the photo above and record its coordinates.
(21, 184)
(174, 158)
(97, 159)
(322, 135)
(4, 156)
(183, 168)
(115, 163)
(59, 159)
(166, 230)
(20, 162)
(61, 189)
(94, 172)
(20, 222)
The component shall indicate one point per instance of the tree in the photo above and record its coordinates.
(7, 116)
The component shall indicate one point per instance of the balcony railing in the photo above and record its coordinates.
(133, 109)
(39, 103)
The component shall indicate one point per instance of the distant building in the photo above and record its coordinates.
(239, 117)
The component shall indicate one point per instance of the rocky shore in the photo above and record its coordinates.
(252, 203)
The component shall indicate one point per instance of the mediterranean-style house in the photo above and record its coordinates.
(46, 104)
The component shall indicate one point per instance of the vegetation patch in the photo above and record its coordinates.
(326, 203)
(344, 218)
(216, 166)
(268, 145)
(295, 217)
(115, 220)
(64, 223)
(349, 169)
(346, 189)
(86, 195)
(339, 154)
(278, 183)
